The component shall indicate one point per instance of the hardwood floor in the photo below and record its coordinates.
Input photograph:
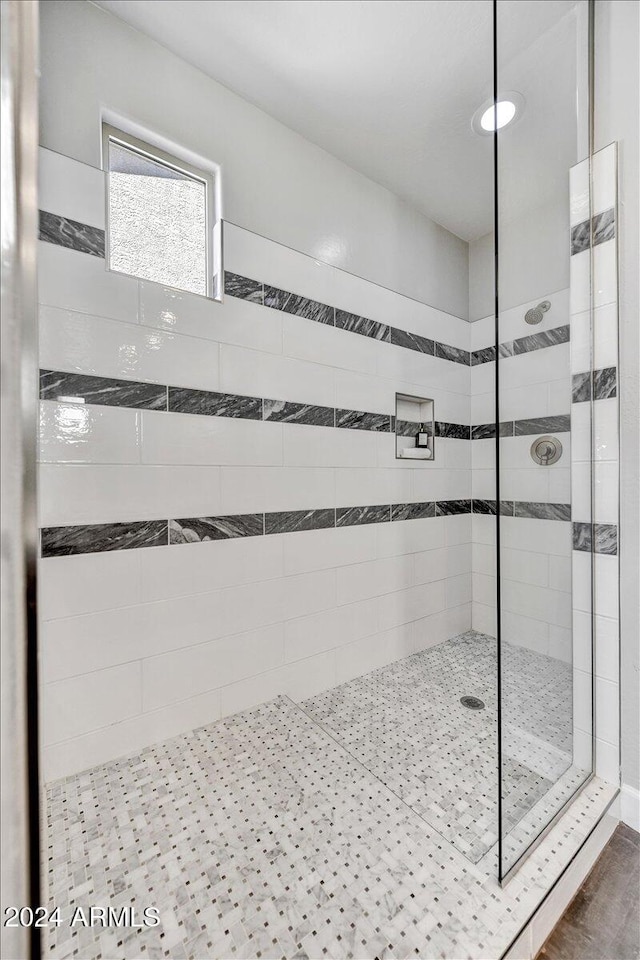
(603, 921)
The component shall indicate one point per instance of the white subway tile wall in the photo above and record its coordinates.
(595, 489)
(535, 553)
(202, 629)
(145, 643)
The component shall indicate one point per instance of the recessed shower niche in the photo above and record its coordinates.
(415, 428)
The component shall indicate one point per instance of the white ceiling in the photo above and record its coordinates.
(390, 86)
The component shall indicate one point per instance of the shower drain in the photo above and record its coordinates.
(473, 703)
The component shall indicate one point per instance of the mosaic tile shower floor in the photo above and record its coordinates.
(406, 724)
(260, 836)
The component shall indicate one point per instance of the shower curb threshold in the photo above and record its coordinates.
(540, 924)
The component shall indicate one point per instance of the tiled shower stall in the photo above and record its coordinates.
(263, 425)
(299, 677)
(213, 432)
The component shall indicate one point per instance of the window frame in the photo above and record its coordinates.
(112, 134)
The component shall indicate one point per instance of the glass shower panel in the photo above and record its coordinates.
(544, 599)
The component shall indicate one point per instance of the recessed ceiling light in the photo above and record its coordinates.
(494, 118)
(490, 117)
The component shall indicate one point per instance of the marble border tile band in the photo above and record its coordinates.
(581, 387)
(343, 320)
(87, 239)
(208, 403)
(605, 538)
(356, 516)
(71, 234)
(515, 348)
(542, 511)
(597, 385)
(281, 411)
(362, 325)
(80, 388)
(525, 509)
(409, 428)
(201, 529)
(602, 227)
(106, 391)
(300, 306)
(360, 420)
(599, 537)
(412, 341)
(487, 431)
(96, 538)
(102, 537)
(243, 288)
(292, 521)
(102, 391)
(413, 511)
(534, 425)
(452, 431)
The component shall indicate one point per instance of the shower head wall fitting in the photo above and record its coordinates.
(535, 314)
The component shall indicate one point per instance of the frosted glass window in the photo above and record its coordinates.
(158, 220)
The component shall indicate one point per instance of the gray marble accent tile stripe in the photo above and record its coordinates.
(303, 413)
(362, 325)
(354, 516)
(208, 403)
(412, 341)
(360, 420)
(71, 234)
(488, 507)
(485, 507)
(601, 537)
(76, 387)
(603, 227)
(409, 428)
(293, 521)
(556, 424)
(453, 431)
(413, 511)
(581, 387)
(102, 537)
(79, 236)
(446, 352)
(487, 431)
(599, 384)
(87, 239)
(524, 509)
(606, 538)
(539, 341)
(580, 237)
(243, 288)
(542, 511)
(202, 529)
(582, 536)
(105, 391)
(301, 306)
(354, 323)
(515, 348)
(605, 383)
(448, 508)
(559, 423)
(484, 355)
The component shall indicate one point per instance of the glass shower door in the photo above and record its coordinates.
(544, 595)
